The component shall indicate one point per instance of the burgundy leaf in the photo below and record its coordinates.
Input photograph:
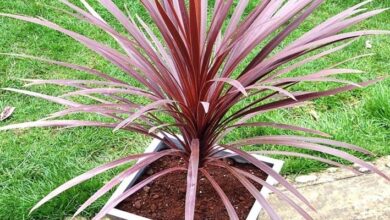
(68, 65)
(192, 180)
(99, 108)
(88, 175)
(229, 207)
(305, 139)
(255, 193)
(294, 142)
(310, 59)
(161, 126)
(268, 170)
(33, 82)
(302, 98)
(78, 123)
(295, 154)
(132, 91)
(281, 126)
(58, 123)
(116, 180)
(274, 88)
(276, 191)
(142, 111)
(46, 97)
(350, 59)
(233, 83)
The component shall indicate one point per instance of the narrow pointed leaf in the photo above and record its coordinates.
(88, 175)
(192, 180)
(46, 97)
(255, 193)
(142, 111)
(268, 170)
(307, 156)
(233, 83)
(280, 194)
(229, 207)
(281, 126)
(116, 180)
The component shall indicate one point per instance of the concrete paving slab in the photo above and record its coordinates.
(344, 197)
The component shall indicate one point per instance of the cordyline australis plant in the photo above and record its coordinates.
(189, 73)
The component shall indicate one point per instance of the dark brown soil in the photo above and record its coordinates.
(164, 199)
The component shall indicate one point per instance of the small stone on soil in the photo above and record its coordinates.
(230, 161)
(138, 204)
(151, 201)
(388, 165)
(306, 178)
(149, 172)
(147, 189)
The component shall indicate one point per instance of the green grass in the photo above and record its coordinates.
(33, 162)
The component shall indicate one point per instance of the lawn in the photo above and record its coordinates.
(33, 162)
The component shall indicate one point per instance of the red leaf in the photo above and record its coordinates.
(46, 97)
(229, 207)
(255, 193)
(142, 111)
(192, 180)
(116, 180)
(276, 191)
(233, 83)
(88, 175)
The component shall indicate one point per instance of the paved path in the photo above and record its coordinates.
(341, 195)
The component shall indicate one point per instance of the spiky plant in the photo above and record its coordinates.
(189, 72)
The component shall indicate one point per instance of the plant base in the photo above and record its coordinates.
(164, 198)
